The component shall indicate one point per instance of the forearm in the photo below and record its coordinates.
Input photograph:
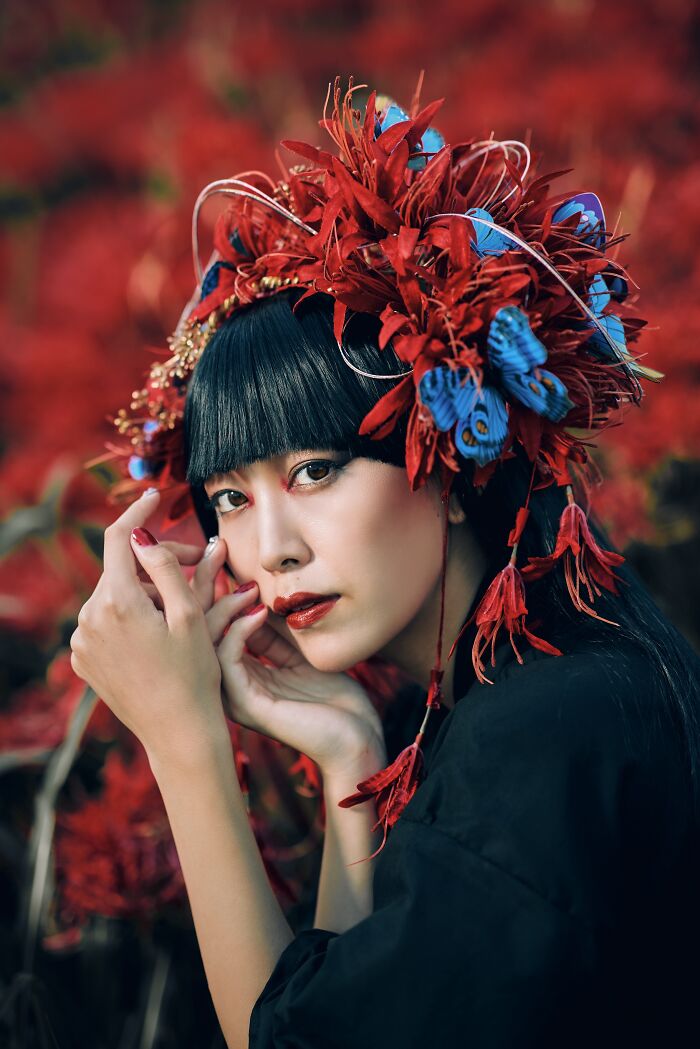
(345, 892)
(240, 926)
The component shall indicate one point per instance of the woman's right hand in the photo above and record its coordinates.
(327, 716)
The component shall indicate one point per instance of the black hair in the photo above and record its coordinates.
(674, 664)
(272, 381)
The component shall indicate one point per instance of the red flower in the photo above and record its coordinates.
(115, 855)
(392, 788)
(584, 561)
(503, 604)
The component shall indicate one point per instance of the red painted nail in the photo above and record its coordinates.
(245, 586)
(254, 610)
(143, 537)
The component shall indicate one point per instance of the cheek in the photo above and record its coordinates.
(239, 555)
(391, 539)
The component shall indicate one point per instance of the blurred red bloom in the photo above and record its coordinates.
(115, 855)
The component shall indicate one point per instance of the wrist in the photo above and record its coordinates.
(356, 764)
(204, 749)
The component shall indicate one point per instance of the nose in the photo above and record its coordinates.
(281, 544)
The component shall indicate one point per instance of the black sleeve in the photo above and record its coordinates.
(549, 811)
(459, 954)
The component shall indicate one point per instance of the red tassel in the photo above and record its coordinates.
(392, 787)
(503, 604)
(584, 561)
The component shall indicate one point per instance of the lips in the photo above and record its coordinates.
(305, 617)
(301, 599)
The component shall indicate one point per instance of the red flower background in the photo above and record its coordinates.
(112, 118)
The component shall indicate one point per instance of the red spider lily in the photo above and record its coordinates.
(584, 561)
(392, 788)
(503, 604)
(40, 713)
(115, 855)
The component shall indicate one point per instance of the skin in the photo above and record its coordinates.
(170, 662)
(320, 522)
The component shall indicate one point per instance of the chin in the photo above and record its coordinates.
(335, 652)
(332, 650)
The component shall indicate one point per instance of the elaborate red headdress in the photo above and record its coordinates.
(479, 277)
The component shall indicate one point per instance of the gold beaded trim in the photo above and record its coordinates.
(186, 347)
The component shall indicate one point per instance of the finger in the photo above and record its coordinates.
(119, 564)
(227, 608)
(204, 579)
(267, 641)
(155, 596)
(274, 646)
(241, 630)
(165, 572)
(186, 553)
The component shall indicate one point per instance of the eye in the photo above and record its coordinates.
(218, 501)
(313, 469)
(319, 472)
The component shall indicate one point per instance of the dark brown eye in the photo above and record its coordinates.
(223, 502)
(316, 472)
(318, 468)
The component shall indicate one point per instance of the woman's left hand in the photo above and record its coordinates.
(155, 668)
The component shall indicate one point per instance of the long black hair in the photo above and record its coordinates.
(273, 381)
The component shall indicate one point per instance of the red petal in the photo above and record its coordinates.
(383, 416)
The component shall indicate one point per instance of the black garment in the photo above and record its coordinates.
(540, 889)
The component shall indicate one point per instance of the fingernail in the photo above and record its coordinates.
(143, 537)
(244, 586)
(254, 610)
(211, 545)
(148, 491)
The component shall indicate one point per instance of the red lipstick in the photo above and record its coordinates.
(302, 608)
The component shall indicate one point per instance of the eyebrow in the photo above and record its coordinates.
(217, 479)
(223, 478)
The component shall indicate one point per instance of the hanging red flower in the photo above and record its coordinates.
(392, 788)
(503, 604)
(585, 562)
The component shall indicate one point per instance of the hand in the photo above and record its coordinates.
(328, 717)
(155, 668)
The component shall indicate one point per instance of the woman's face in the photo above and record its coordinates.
(324, 523)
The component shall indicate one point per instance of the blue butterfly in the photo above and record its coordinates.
(598, 299)
(140, 467)
(237, 244)
(488, 241)
(211, 278)
(452, 396)
(591, 226)
(431, 143)
(518, 355)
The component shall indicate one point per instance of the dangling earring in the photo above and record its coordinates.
(455, 511)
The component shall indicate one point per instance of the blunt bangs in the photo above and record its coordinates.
(272, 382)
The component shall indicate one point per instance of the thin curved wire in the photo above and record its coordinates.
(490, 145)
(555, 273)
(225, 187)
(229, 187)
(369, 375)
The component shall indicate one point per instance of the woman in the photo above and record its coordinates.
(537, 885)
